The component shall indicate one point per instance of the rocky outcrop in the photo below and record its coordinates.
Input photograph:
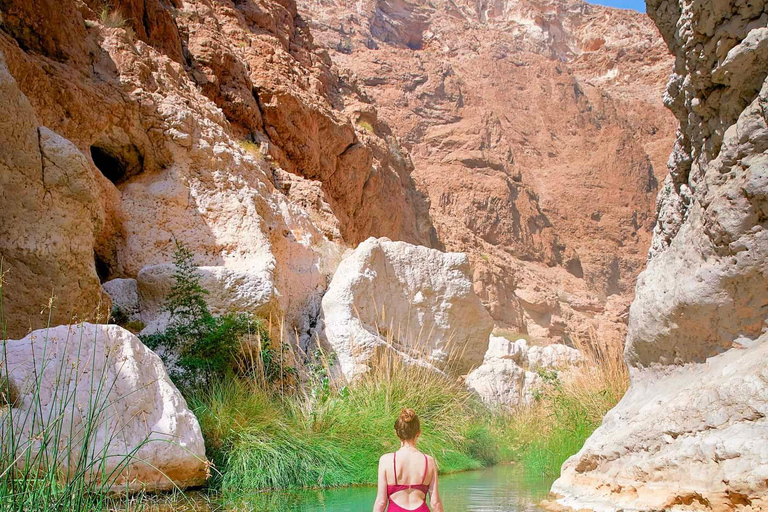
(51, 218)
(413, 301)
(220, 125)
(691, 431)
(509, 373)
(99, 391)
(124, 294)
(536, 129)
(229, 290)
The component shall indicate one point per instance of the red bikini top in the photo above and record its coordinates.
(392, 489)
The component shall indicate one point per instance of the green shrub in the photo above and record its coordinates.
(366, 126)
(112, 19)
(199, 348)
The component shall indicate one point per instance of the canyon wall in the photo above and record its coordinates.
(691, 432)
(132, 124)
(538, 133)
(529, 135)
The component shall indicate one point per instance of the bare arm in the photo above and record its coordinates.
(435, 503)
(381, 494)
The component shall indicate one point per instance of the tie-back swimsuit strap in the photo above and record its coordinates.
(423, 487)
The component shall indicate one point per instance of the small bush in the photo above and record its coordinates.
(112, 19)
(199, 348)
(366, 126)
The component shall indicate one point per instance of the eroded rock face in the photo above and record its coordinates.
(536, 129)
(691, 430)
(180, 120)
(51, 218)
(415, 301)
(105, 373)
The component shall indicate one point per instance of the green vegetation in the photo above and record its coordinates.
(252, 148)
(112, 19)
(260, 439)
(198, 348)
(119, 317)
(365, 125)
(569, 408)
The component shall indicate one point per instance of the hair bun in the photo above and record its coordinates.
(407, 425)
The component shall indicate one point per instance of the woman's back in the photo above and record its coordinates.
(407, 476)
(407, 480)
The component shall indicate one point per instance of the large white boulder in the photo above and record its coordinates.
(69, 373)
(691, 434)
(409, 299)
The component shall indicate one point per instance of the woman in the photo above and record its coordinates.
(407, 476)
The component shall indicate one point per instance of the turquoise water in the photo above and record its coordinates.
(499, 489)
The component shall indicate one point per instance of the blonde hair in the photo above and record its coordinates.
(407, 425)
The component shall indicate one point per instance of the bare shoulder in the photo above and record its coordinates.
(385, 459)
(431, 462)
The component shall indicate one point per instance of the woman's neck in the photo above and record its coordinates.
(408, 445)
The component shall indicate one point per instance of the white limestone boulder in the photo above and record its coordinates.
(124, 293)
(508, 375)
(413, 300)
(103, 372)
(503, 382)
(687, 434)
(555, 355)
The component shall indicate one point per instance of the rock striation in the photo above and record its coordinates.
(408, 300)
(538, 133)
(691, 431)
(101, 380)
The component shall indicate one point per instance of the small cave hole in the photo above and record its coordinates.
(112, 167)
(103, 268)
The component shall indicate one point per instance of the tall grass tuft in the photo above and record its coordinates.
(570, 408)
(323, 435)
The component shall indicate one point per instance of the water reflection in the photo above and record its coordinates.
(498, 489)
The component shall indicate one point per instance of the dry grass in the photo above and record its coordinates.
(112, 19)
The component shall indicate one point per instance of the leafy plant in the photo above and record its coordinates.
(199, 348)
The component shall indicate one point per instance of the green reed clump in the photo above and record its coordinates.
(569, 409)
(260, 439)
